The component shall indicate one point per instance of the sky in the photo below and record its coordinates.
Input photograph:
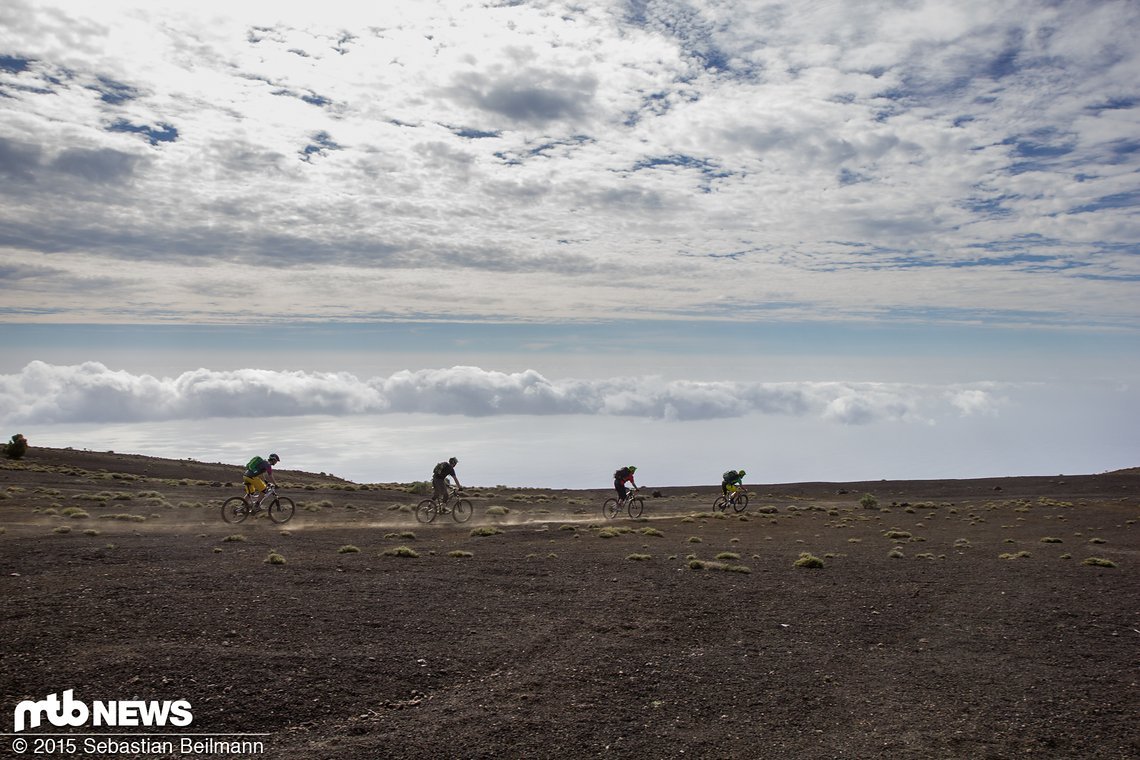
(813, 240)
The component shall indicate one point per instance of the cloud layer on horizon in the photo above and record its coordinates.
(91, 392)
(927, 161)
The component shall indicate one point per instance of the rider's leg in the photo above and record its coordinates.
(253, 487)
(439, 490)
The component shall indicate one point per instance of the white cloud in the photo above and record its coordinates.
(50, 394)
(533, 149)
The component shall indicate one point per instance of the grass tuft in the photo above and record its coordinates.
(401, 551)
(1098, 562)
(274, 559)
(486, 530)
(808, 560)
(460, 554)
(348, 549)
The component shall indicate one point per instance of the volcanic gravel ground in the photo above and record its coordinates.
(554, 639)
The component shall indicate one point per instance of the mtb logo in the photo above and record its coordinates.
(72, 712)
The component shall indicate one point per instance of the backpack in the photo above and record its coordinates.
(254, 465)
(621, 474)
(730, 476)
(440, 470)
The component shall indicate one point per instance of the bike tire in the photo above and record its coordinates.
(741, 503)
(461, 510)
(234, 510)
(281, 509)
(610, 508)
(636, 506)
(425, 511)
(720, 504)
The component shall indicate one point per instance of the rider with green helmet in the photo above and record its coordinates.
(732, 480)
(621, 477)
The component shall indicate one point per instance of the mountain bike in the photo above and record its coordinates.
(738, 501)
(279, 508)
(460, 509)
(632, 503)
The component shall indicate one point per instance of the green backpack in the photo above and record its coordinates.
(254, 465)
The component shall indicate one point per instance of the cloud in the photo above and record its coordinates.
(47, 394)
(549, 142)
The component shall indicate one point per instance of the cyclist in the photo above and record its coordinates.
(731, 481)
(621, 477)
(257, 472)
(439, 479)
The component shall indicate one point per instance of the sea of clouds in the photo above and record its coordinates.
(43, 393)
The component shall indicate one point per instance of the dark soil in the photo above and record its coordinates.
(550, 640)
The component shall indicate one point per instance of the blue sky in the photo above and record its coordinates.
(914, 224)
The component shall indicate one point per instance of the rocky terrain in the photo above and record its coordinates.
(995, 618)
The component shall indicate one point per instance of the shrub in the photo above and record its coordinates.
(419, 488)
(728, 555)
(650, 532)
(485, 530)
(1051, 540)
(17, 447)
(895, 533)
(460, 554)
(868, 501)
(401, 551)
(62, 529)
(237, 537)
(1019, 555)
(497, 510)
(639, 557)
(896, 553)
(808, 560)
(1098, 562)
(274, 559)
(348, 549)
(698, 564)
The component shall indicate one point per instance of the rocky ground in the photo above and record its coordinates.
(994, 618)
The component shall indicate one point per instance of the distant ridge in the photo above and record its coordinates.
(141, 465)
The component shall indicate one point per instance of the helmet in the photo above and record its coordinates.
(453, 461)
(274, 459)
(631, 468)
(743, 473)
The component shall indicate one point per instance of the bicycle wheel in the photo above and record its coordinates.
(741, 503)
(461, 510)
(281, 509)
(610, 508)
(234, 509)
(720, 504)
(636, 505)
(425, 511)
